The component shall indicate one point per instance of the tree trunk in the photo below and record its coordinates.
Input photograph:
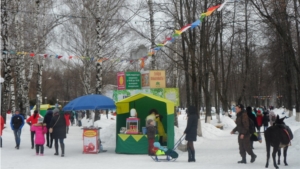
(152, 38)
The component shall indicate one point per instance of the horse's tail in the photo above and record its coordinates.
(268, 145)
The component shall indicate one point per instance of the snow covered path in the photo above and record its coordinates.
(217, 149)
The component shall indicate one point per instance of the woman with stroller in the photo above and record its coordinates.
(191, 131)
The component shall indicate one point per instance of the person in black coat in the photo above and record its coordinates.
(47, 120)
(266, 120)
(253, 118)
(191, 131)
(58, 123)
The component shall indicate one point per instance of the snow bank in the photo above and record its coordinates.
(296, 140)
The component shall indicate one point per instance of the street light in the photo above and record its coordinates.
(45, 100)
(57, 103)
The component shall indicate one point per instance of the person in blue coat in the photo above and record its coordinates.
(191, 131)
(16, 123)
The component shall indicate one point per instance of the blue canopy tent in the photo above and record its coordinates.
(90, 102)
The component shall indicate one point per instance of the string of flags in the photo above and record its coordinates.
(266, 97)
(151, 52)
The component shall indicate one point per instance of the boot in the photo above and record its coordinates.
(56, 149)
(253, 157)
(243, 161)
(193, 156)
(189, 154)
(62, 146)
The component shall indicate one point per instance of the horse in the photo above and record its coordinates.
(278, 136)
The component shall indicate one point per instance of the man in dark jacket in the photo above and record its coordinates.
(266, 120)
(47, 120)
(16, 124)
(242, 126)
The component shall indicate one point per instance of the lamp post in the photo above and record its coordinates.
(38, 102)
(57, 103)
(45, 100)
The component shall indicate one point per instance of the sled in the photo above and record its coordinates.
(170, 154)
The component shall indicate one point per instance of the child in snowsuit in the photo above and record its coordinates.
(151, 130)
(40, 130)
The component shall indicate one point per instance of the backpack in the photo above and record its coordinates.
(251, 126)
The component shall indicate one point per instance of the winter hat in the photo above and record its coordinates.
(240, 106)
(149, 121)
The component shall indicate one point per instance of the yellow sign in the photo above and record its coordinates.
(90, 133)
(157, 79)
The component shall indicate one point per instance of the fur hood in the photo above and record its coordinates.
(40, 124)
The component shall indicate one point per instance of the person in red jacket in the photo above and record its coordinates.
(259, 119)
(33, 119)
(1, 129)
(67, 118)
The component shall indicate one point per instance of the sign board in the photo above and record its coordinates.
(145, 80)
(171, 94)
(157, 79)
(133, 80)
(121, 81)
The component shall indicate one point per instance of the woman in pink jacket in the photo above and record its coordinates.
(40, 131)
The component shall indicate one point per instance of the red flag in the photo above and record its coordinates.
(31, 54)
(70, 57)
(45, 55)
(59, 57)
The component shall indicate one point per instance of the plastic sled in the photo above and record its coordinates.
(166, 155)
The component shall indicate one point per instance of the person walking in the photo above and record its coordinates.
(58, 124)
(33, 119)
(40, 130)
(266, 120)
(16, 124)
(47, 120)
(252, 116)
(1, 129)
(259, 119)
(242, 127)
(191, 132)
(67, 118)
(79, 118)
(272, 116)
(151, 130)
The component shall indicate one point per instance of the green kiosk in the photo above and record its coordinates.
(137, 143)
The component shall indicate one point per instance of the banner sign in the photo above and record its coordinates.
(145, 80)
(121, 81)
(171, 94)
(133, 80)
(157, 79)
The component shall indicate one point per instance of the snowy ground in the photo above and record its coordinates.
(216, 149)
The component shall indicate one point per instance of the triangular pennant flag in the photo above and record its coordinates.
(45, 55)
(124, 137)
(222, 6)
(12, 52)
(137, 137)
(186, 27)
(59, 57)
(195, 24)
(160, 45)
(4, 52)
(70, 57)
(31, 54)
(56, 56)
(157, 48)
(178, 32)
